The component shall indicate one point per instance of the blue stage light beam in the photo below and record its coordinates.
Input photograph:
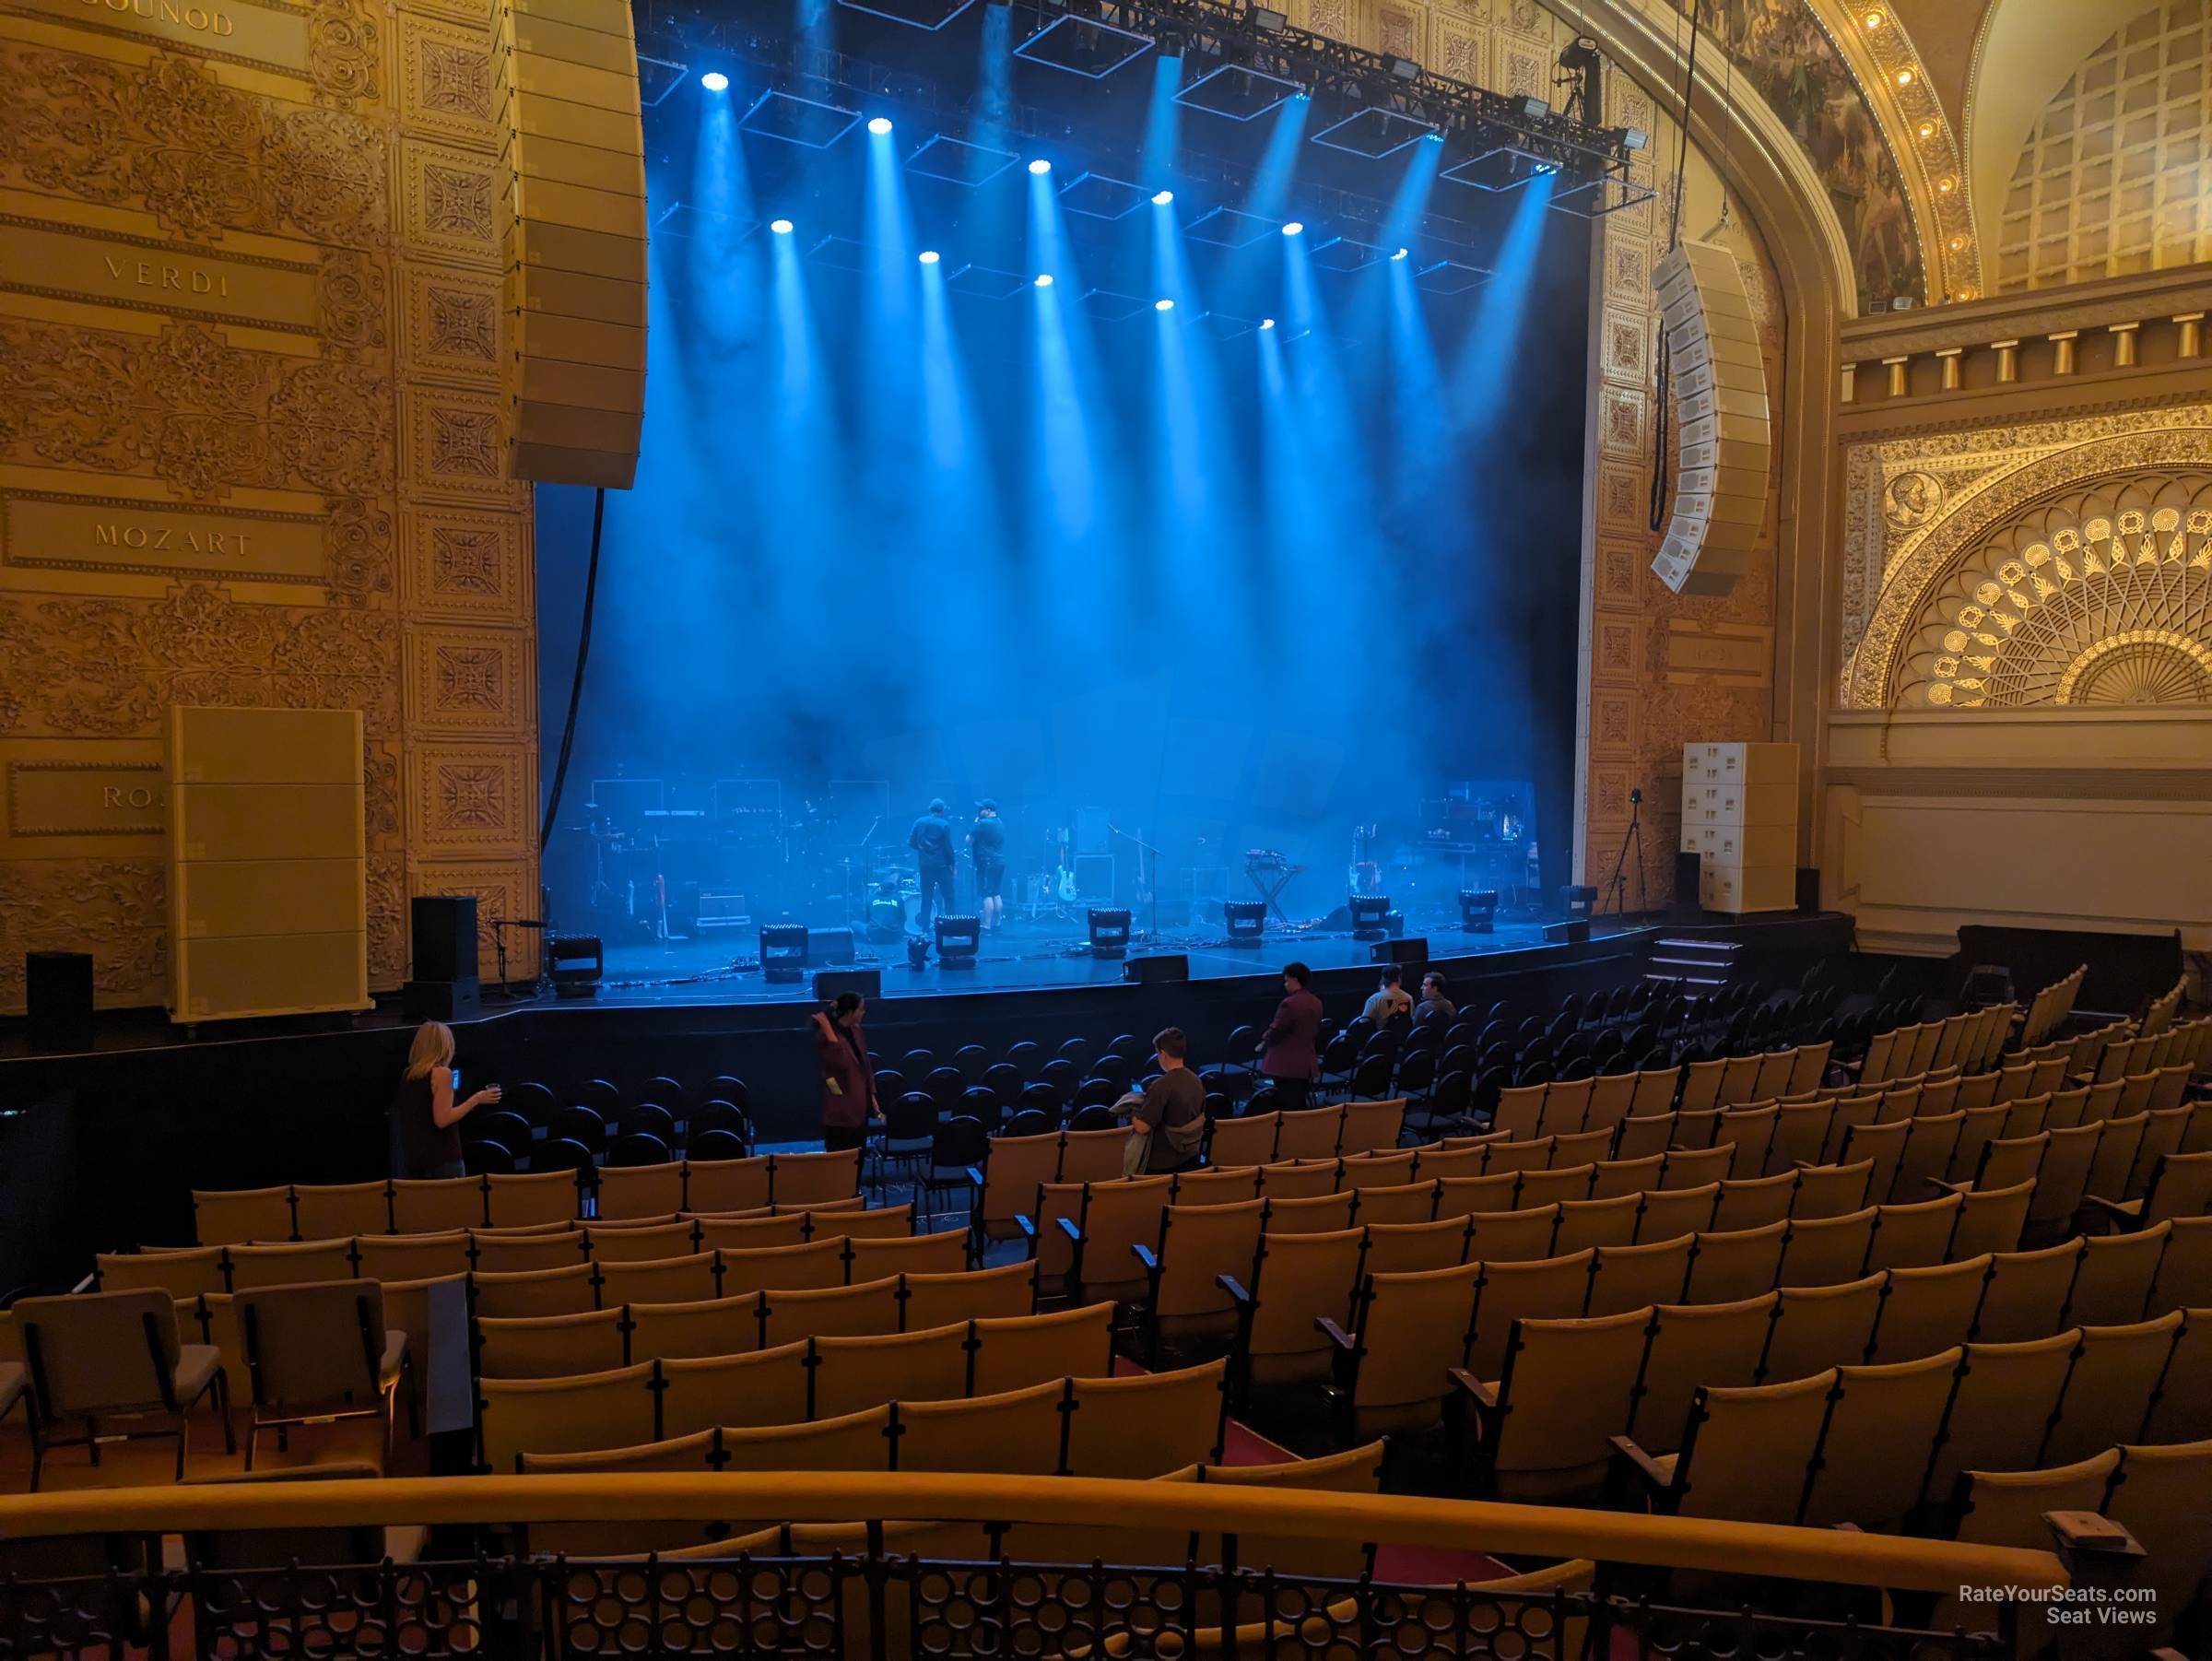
(1068, 512)
(1270, 192)
(1161, 158)
(1421, 434)
(1480, 382)
(887, 330)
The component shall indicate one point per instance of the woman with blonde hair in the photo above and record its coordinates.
(425, 1114)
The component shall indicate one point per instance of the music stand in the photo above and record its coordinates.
(500, 926)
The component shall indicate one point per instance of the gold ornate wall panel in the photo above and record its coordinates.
(1663, 669)
(252, 446)
(1924, 514)
(2114, 178)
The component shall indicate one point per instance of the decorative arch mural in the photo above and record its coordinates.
(1929, 520)
(1784, 54)
(2101, 595)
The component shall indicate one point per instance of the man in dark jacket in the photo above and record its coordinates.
(931, 838)
(848, 1081)
(1287, 1057)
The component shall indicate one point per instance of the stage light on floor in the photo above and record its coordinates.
(959, 940)
(928, 257)
(880, 125)
(1163, 305)
(1295, 228)
(1370, 915)
(714, 81)
(1477, 910)
(1246, 921)
(783, 950)
(781, 227)
(1109, 934)
(1044, 279)
(1041, 166)
(1161, 198)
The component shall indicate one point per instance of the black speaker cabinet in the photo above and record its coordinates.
(1689, 871)
(445, 936)
(57, 997)
(1160, 967)
(1569, 934)
(830, 945)
(830, 982)
(443, 1000)
(1808, 887)
(1413, 950)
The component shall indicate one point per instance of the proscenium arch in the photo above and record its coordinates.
(1877, 669)
(1760, 160)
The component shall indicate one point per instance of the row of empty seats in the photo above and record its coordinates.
(1871, 1445)
(1144, 1425)
(310, 1211)
(1408, 1331)
(1544, 1426)
(1969, 1041)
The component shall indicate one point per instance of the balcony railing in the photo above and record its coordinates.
(853, 1593)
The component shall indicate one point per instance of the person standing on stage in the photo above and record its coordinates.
(931, 838)
(1288, 1056)
(1390, 1000)
(848, 1081)
(987, 849)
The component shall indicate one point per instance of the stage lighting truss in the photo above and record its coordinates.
(657, 78)
(960, 160)
(1449, 276)
(1376, 132)
(1501, 167)
(840, 253)
(1238, 92)
(804, 122)
(929, 15)
(1089, 47)
(1604, 181)
(1098, 197)
(690, 219)
(1225, 325)
(1231, 228)
(986, 282)
(1108, 306)
(1344, 253)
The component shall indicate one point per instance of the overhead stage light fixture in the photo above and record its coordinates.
(1237, 92)
(1267, 20)
(1041, 167)
(880, 125)
(1044, 279)
(928, 257)
(714, 81)
(1083, 46)
(1294, 228)
(1161, 198)
(781, 227)
(1163, 305)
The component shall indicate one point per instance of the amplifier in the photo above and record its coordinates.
(828, 982)
(1094, 876)
(830, 945)
(1159, 968)
(722, 910)
(1415, 950)
(1571, 934)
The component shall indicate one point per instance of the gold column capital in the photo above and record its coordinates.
(2192, 332)
(2063, 340)
(2008, 359)
(1950, 356)
(1895, 366)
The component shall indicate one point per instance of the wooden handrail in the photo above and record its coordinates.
(1754, 1549)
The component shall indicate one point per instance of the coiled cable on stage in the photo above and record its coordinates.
(583, 652)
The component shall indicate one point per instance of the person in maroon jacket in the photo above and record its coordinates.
(848, 1081)
(1287, 1049)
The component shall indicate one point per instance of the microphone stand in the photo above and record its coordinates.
(1618, 886)
(1152, 857)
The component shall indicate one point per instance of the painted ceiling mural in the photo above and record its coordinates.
(1780, 49)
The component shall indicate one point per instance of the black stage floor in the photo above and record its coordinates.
(1025, 955)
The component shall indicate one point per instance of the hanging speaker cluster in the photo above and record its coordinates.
(574, 226)
(1721, 413)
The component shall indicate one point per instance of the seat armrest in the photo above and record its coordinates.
(1485, 1396)
(1234, 1287)
(2126, 1213)
(1028, 1225)
(975, 1177)
(1144, 1256)
(1627, 1455)
(1341, 1340)
(1068, 1227)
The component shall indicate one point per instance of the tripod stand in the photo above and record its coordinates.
(1617, 888)
(1151, 855)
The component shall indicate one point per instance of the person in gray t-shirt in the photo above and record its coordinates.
(1173, 1107)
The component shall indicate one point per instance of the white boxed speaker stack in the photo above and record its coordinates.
(1739, 816)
